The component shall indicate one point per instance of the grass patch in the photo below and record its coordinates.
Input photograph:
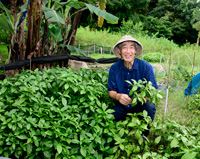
(3, 53)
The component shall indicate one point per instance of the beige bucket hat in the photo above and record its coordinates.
(116, 49)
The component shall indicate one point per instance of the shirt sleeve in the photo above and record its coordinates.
(112, 85)
(150, 76)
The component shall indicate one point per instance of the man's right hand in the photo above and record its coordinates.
(123, 99)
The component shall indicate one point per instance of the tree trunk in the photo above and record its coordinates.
(34, 17)
(72, 33)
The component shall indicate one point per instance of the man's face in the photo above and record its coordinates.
(128, 51)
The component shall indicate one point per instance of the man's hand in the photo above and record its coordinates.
(124, 99)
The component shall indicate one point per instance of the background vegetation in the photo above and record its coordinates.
(172, 19)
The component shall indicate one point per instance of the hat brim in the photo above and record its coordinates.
(125, 38)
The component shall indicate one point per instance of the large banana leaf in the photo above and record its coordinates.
(76, 50)
(56, 33)
(93, 9)
(5, 25)
(109, 17)
(102, 5)
(6, 20)
(52, 16)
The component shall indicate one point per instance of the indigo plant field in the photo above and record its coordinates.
(65, 113)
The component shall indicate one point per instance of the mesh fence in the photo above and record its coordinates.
(94, 48)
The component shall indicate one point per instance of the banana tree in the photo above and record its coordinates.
(51, 28)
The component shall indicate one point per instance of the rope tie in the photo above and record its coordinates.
(30, 63)
(4, 70)
(97, 61)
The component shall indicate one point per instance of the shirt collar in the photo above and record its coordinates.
(134, 67)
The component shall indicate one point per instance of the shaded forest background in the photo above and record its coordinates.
(172, 19)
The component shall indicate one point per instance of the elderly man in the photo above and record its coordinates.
(129, 67)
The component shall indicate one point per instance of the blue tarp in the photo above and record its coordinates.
(193, 86)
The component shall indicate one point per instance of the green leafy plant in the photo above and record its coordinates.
(128, 137)
(194, 103)
(176, 141)
(142, 89)
(56, 113)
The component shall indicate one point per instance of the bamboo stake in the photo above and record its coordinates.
(167, 91)
(191, 80)
(178, 61)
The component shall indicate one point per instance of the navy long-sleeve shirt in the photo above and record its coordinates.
(118, 75)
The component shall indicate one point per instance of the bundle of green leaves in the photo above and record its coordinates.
(142, 89)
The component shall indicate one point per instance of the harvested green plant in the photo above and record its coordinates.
(142, 89)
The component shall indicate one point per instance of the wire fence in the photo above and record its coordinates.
(94, 48)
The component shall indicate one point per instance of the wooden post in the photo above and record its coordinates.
(101, 52)
(178, 61)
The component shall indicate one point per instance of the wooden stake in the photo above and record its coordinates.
(167, 91)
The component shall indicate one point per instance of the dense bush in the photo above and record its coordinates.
(154, 57)
(60, 113)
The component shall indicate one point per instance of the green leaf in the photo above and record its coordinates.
(48, 143)
(189, 155)
(98, 139)
(64, 102)
(56, 33)
(115, 148)
(29, 148)
(138, 135)
(75, 50)
(83, 151)
(47, 154)
(3, 90)
(157, 140)
(134, 102)
(22, 137)
(121, 132)
(134, 88)
(159, 96)
(75, 141)
(109, 17)
(145, 113)
(140, 140)
(174, 143)
(59, 148)
(52, 16)
(121, 146)
(66, 86)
